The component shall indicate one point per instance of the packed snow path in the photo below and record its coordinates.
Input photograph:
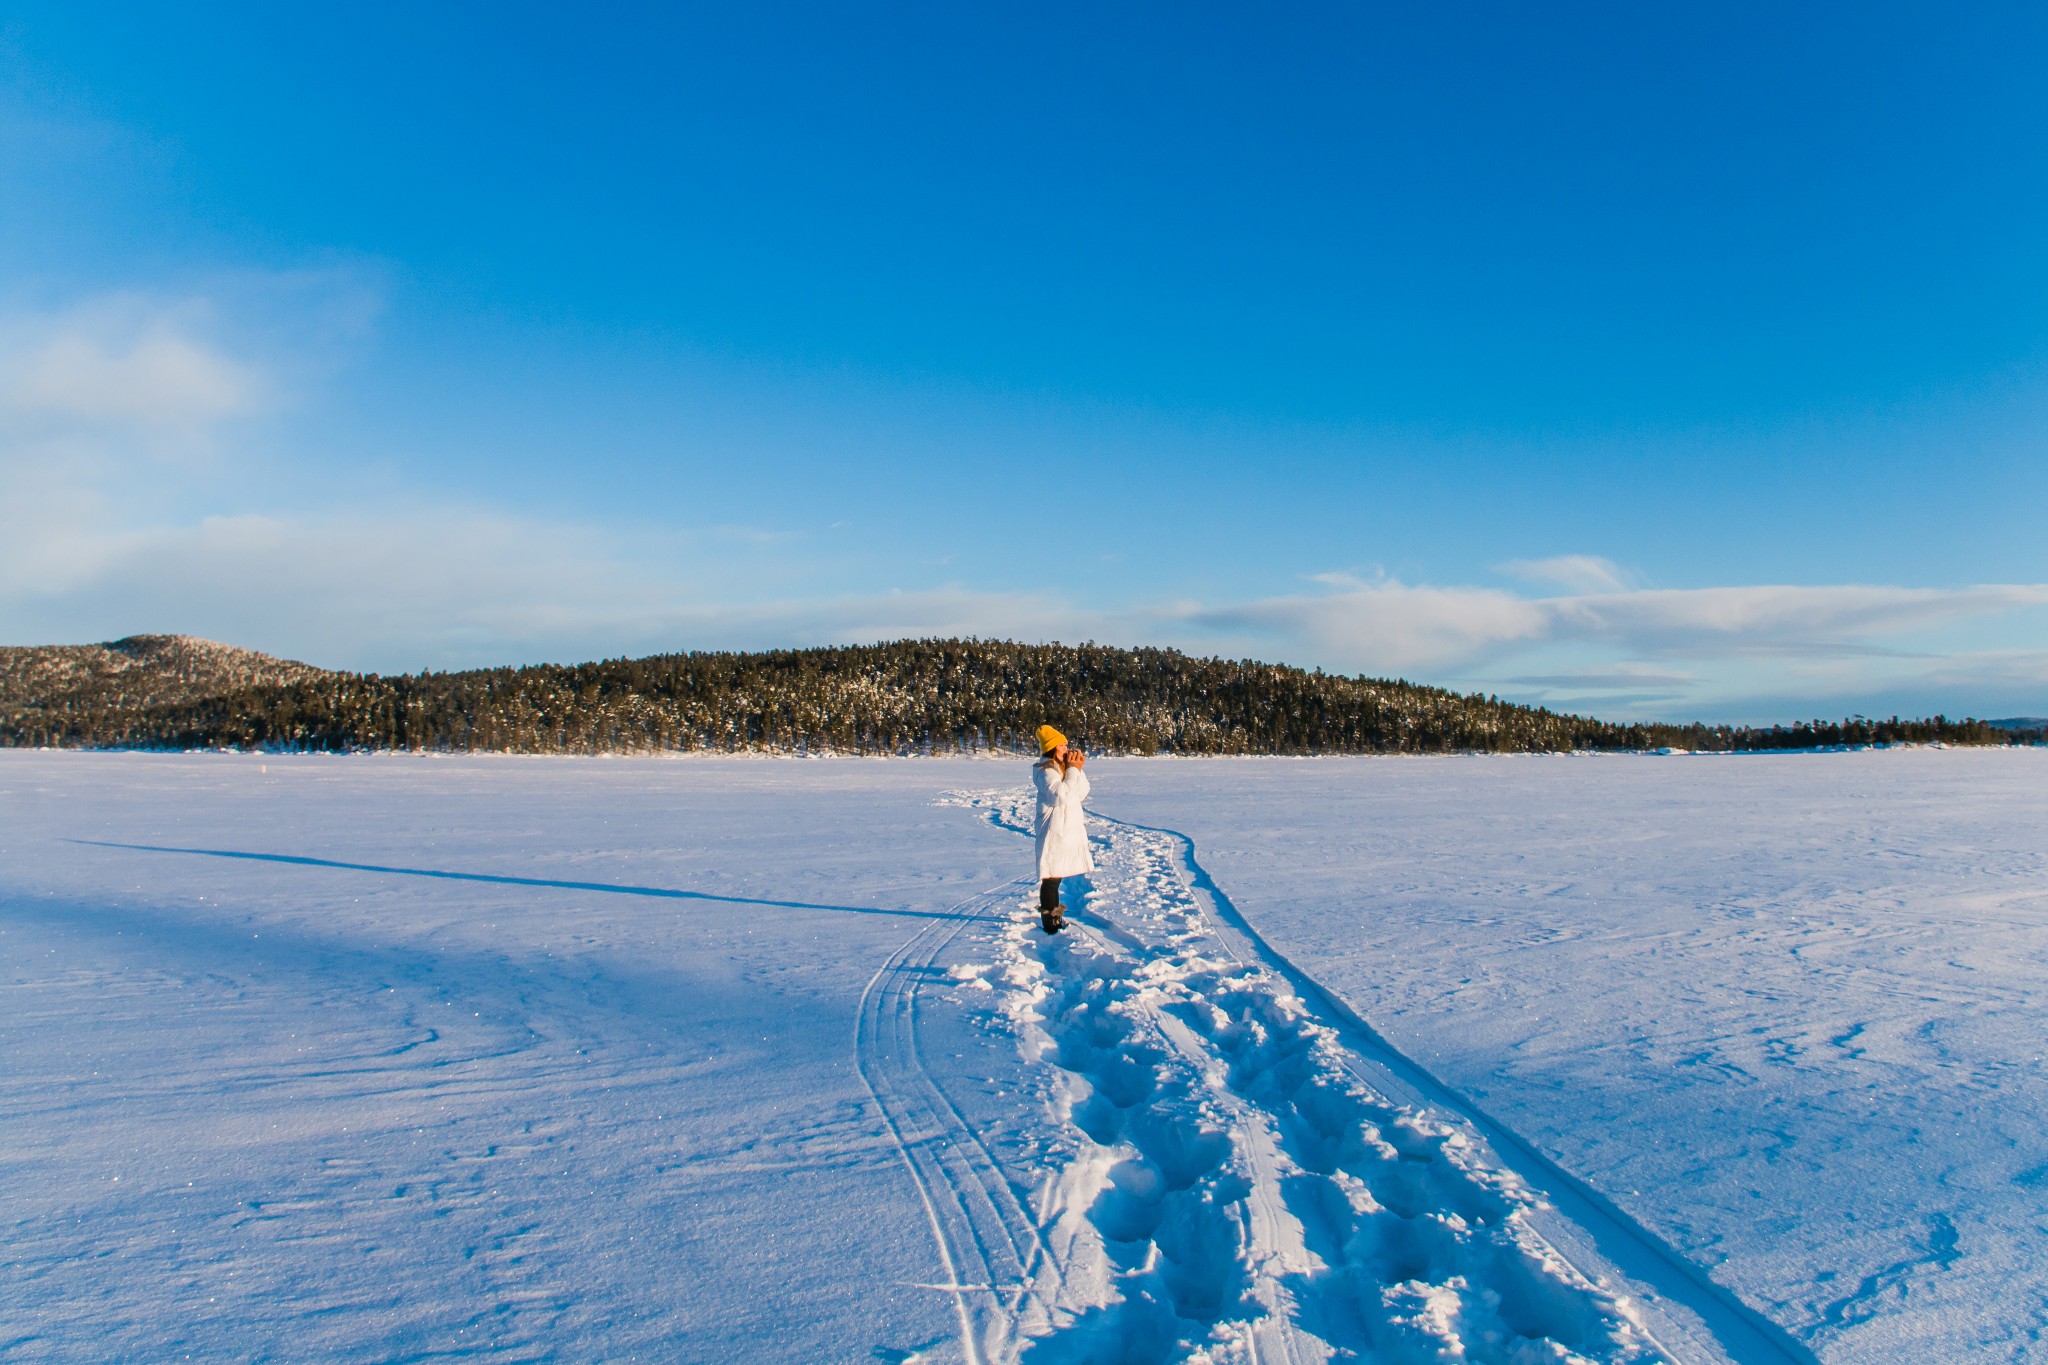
(1229, 1184)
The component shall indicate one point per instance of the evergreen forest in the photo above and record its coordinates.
(905, 697)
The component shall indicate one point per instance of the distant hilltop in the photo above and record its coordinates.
(910, 696)
(139, 673)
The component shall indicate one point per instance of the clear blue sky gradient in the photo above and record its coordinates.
(1131, 323)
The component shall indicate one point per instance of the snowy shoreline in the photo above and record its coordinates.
(996, 756)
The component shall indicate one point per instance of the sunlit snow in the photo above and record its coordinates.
(1510, 1059)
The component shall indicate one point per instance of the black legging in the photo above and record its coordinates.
(1048, 894)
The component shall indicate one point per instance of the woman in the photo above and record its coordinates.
(1062, 830)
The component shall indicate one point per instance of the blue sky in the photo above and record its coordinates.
(1678, 362)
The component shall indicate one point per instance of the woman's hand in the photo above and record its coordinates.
(1075, 758)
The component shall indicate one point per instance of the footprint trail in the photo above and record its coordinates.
(1227, 1188)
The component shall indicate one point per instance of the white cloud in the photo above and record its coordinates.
(1390, 626)
(1575, 573)
(2019, 676)
(120, 514)
(123, 415)
(122, 361)
(464, 586)
(1385, 626)
(1776, 617)
(454, 585)
(1609, 678)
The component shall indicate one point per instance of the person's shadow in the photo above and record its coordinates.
(607, 888)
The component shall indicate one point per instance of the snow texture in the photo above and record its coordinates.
(1503, 1060)
(1785, 1011)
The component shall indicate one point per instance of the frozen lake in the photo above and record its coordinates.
(1504, 1059)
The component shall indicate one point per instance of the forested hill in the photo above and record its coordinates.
(912, 696)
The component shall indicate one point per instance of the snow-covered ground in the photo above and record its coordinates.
(1786, 1011)
(1488, 1059)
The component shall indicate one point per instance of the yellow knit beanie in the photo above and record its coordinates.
(1049, 739)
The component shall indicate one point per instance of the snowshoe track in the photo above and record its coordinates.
(1232, 1191)
(1687, 1314)
(1246, 1172)
(1240, 1170)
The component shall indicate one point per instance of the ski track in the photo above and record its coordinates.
(1226, 1187)
(1000, 1275)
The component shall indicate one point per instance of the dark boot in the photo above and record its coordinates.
(1051, 913)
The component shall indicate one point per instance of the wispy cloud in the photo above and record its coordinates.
(1776, 616)
(124, 424)
(127, 415)
(1575, 573)
(454, 585)
(469, 588)
(1389, 625)
(120, 361)
(1616, 678)
(1383, 626)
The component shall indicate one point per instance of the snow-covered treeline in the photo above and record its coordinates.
(907, 696)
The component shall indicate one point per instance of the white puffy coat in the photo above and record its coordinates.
(1062, 830)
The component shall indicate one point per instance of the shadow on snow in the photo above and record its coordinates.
(608, 888)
